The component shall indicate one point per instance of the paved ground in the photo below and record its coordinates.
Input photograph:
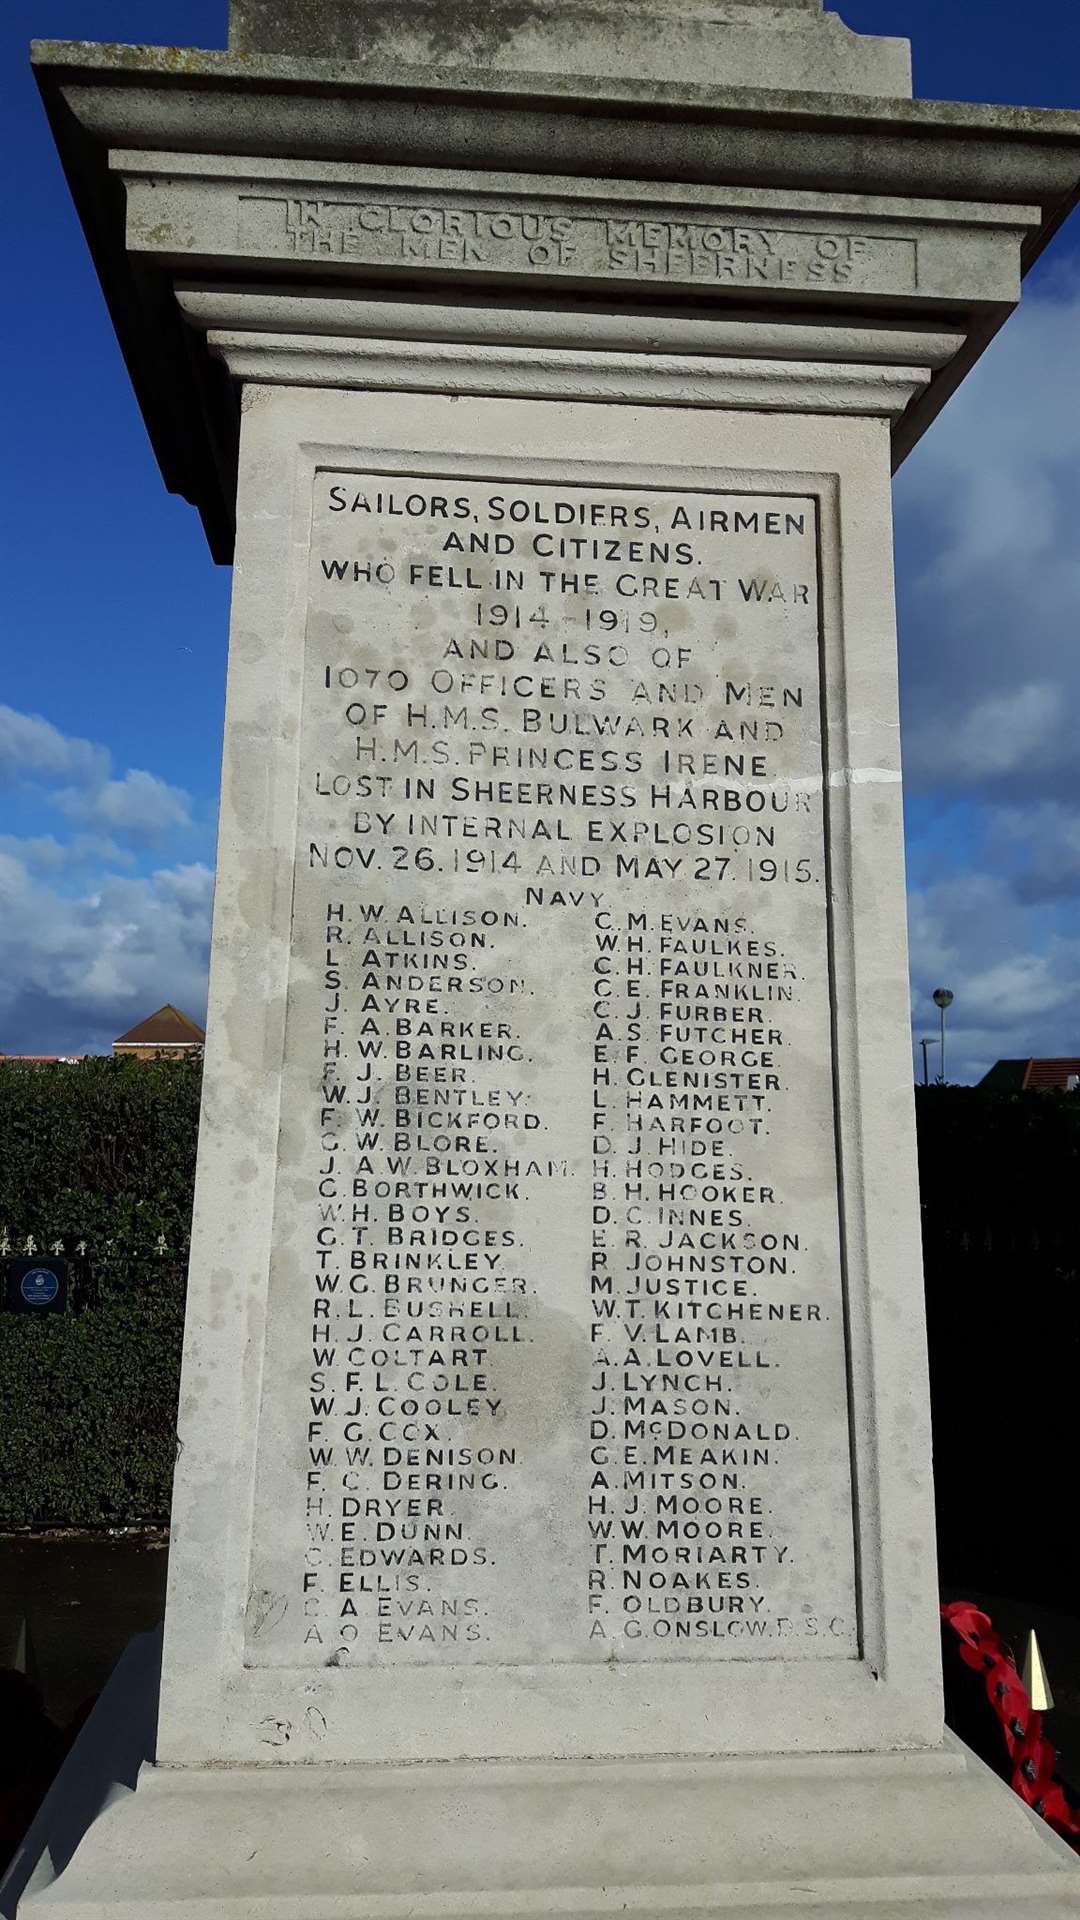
(85, 1595)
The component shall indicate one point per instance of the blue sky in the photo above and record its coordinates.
(115, 618)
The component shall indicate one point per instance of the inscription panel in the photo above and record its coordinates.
(555, 1363)
(396, 231)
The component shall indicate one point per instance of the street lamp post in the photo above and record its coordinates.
(942, 999)
(925, 1067)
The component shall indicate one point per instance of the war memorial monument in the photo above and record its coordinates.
(553, 1530)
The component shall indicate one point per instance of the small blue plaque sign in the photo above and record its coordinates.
(39, 1287)
(35, 1286)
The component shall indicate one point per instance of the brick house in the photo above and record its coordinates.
(167, 1032)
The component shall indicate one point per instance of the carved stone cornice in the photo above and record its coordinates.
(314, 311)
(832, 230)
(551, 373)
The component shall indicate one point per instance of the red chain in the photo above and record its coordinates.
(1033, 1757)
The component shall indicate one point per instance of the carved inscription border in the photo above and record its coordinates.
(557, 1362)
(609, 242)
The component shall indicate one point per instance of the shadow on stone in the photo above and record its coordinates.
(102, 1766)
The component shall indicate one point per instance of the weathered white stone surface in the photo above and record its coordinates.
(339, 218)
(540, 1690)
(737, 43)
(837, 1837)
(564, 199)
(492, 801)
(267, 1664)
(562, 678)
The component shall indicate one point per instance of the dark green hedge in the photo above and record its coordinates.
(1000, 1174)
(1000, 1179)
(100, 1154)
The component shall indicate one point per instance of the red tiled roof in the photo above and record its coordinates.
(168, 1027)
(1048, 1076)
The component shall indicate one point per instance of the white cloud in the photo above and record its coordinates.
(1016, 977)
(187, 886)
(997, 735)
(76, 970)
(140, 807)
(31, 746)
(87, 944)
(43, 852)
(995, 463)
(989, 566)
(1041, 843)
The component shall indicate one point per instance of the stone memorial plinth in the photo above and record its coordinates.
(553, 1525)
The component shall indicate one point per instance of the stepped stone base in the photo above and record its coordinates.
(890, 1836)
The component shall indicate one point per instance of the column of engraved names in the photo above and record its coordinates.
(435, 1181)
(703, 1305)
(410, 1294)
(325, 1279)
(704, 1248)
(426, 1121)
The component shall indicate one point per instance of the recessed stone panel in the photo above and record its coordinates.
(349, 221)
(555, 1365)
